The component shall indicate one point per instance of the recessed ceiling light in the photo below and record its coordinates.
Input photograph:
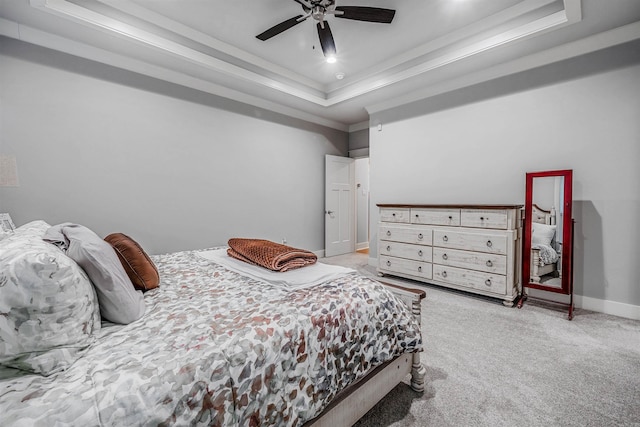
(331, 59)
(339, 76)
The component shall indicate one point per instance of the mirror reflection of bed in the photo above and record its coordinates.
(546, 249)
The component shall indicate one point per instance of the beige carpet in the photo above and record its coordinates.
(488, 365)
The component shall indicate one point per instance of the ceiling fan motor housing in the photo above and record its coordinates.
(318, 9)
(318, 13)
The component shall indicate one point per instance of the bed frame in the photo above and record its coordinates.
(541, 216)
(351, 404)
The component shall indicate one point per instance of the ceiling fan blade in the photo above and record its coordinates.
(326, 39)
(277, 29)
(304, 4)
(369, 14)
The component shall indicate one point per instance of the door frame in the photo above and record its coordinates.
(356, 211)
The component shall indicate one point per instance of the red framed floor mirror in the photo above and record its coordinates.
(547, 253)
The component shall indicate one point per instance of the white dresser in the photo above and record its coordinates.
(475, 248)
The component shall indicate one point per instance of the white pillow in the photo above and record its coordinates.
(542, 234)
(119, 301)
(50, 309)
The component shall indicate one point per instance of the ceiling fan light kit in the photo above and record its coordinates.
(318, 10)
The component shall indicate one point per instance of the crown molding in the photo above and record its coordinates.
(51, 41)
(84, 16)
(583, 46)
(303, 96)
(9, 29)
(359, 126)
(161, 21)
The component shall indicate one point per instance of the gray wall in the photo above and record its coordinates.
(172, 167)
(359, 139)
(475, 146)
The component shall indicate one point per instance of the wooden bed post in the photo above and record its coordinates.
(413, 298)
(418, 371)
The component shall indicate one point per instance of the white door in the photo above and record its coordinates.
(339, 214)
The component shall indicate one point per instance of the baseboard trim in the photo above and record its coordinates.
(363, 245)
(614, 308)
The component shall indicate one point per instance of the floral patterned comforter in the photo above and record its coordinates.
(215, 348)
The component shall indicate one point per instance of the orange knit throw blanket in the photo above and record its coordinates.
(271, 255)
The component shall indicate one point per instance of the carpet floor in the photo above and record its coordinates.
(489, 365)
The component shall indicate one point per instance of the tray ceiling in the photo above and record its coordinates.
(430, 47)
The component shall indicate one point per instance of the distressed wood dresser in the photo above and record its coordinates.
(475, 248)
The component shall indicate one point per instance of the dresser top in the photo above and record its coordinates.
(451, 206)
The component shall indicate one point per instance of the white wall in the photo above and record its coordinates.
(174, 168)
(362, 202)
(479, 152)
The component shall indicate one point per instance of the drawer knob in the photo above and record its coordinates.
(481, 218)
(419, 253)
(417, 216)
(489, 263)
(388, 232)
(393, 214)
(444, 274)
(388, 263)
(420, 236)
(445, 256)
(445, 238)
(388, 248)
(487, 282)
(420, 269)
(489, 244)
(450, 217)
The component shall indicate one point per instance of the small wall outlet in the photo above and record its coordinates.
(284, 240)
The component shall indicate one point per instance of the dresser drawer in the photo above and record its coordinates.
(435, 216)
(484, 218)
(486, 282)
(405, 250)
(404, 266)
(480, 242)
(407, 234)
(490, 263)
(395, 214)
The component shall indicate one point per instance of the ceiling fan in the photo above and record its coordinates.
(318, 9)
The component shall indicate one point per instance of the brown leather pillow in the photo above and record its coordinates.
(139, 267)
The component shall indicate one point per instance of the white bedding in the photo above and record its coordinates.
(547, 254)
(300, 278)
(217, 349)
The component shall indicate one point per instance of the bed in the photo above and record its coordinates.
(545, 254)
(214, 347)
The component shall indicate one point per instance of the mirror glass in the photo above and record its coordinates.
(546, 231)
